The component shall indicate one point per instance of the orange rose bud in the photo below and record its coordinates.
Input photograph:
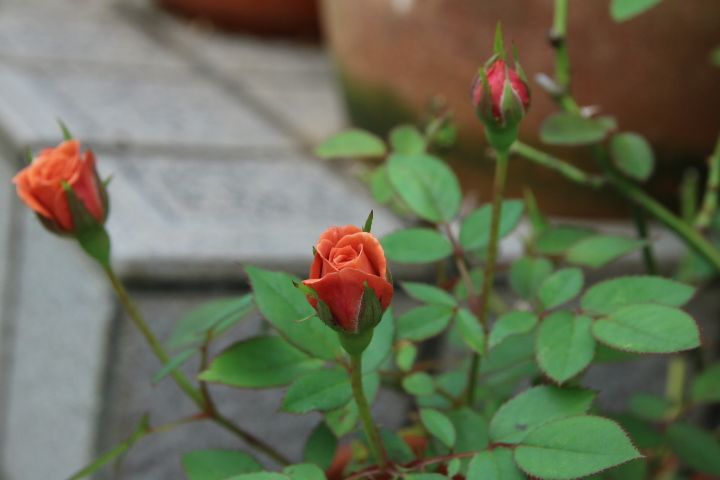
(349, 279)
(63, 187)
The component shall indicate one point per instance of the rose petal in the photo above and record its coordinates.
(343, 290)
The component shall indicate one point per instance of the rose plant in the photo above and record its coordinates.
(495, 377)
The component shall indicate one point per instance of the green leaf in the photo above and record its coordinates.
(380, 186)
(696, 448)
(650, 407)
(508, 363)
(471, 430)
(342, 421)
(416, 245)
(560, 287)
(557, 240)
(471, 331)
(429, 294)
(706, 386)
(351, 143)
(381, 344)
(419, 383)
(527, 274)
(648, 329)
(424, 322)
(175, 362)
(407, 139)
(564, 345)
(304, 471)
(622, 10)
(521, 415)
(141, 430)
(284, 306)
(643, 434)
(571, 129)
(218, 464)
(599, 250)
(193, 328)
(427, 185)
(574, 447)
(608, 296)
(320, 390)
(259, 476)
(475, 228)
(512, 323)
(439, 426)
(495, 464)
(321, 446)
(397, 449)
(406, 354)
(259, 362)
(632, 155)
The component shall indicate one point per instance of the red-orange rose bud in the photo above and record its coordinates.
(349, 277)
(508, 99)
(62, 186)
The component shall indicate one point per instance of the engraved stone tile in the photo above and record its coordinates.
(130, 107)
(185, 216)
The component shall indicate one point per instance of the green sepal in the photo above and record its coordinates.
(67, 135)
(371, 311)
(368, 223)
(355, 343)
(511, 107)
(518, 68)
(501, 137)
(499, 44)
(90, 233)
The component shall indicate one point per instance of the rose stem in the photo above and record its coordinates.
(180, 378)
(501, 168)
(371, 431)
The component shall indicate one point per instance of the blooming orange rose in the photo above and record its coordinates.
(41, 185)
(347, 259)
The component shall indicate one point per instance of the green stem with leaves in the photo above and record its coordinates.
(501, 169)
(373, 436)
(203, 402)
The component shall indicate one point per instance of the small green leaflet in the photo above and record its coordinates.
(259, 362)
(416, 245)
(632, 155)
(622, 10)
(471, 331)
(512, 323)
(351, 143)
(648, 328)
(534, 407)
(319, 390)
(697, 448)
(424, 322)
(560, 287)
(320, 446)
(598, 250)
(571, 129)
(475, 229)
(438, 425)
(706, 386)
(564, 345)
(419, 384)
(428, 186)
(218, 464)
(606, 297)
(407, 139)
(495, 464)
(428, 294)
(574, 447)
(527, 274)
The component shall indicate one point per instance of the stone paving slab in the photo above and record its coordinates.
(183, 217)
(129, 107)
(100, 35)
(59, 331)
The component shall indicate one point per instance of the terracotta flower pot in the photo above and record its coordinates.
(652, 73)
(264, 17)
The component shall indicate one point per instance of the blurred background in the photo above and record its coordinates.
(205, 113)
